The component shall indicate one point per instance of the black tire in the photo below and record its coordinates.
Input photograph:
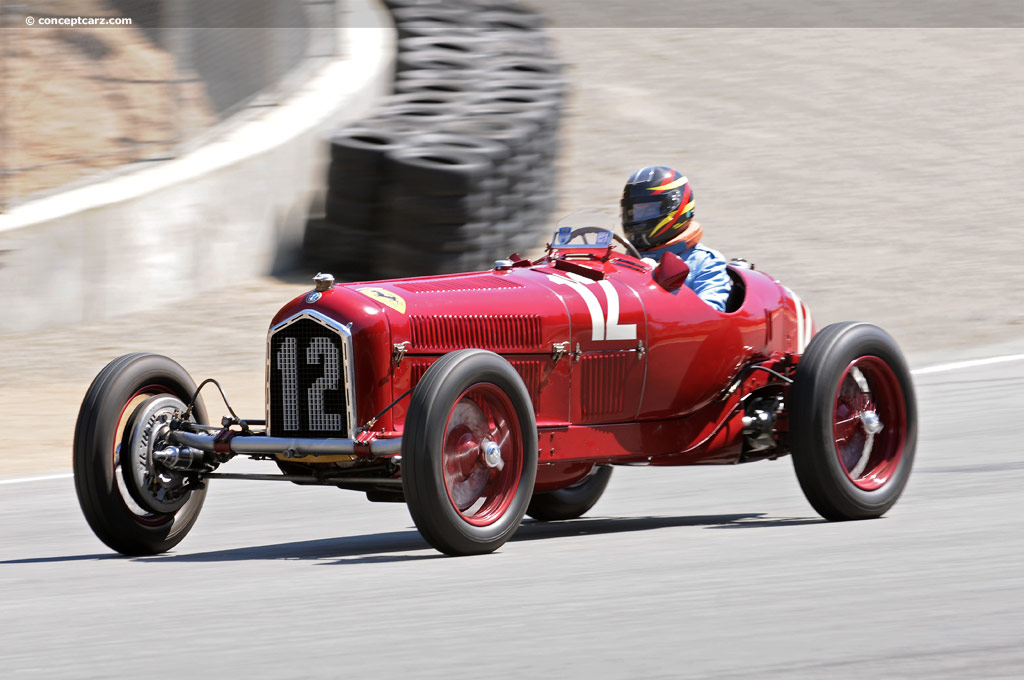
(470, 78)
(487, 381)
(339, 249)
(426, 28)
(449, 101)
(397, 220)
(514, 6)
(823, 390)
(514, 133)
(514, 22)
(492, 149)
(520, 98)
(526, 241)
(405, 236)
(522, 133)
(101, 434)
(423, 117)
(363, 215)
(573, 501)
(441, 60)
(435, 85)
(539, 116)
(438, 172)
(438, 240)
(399, 261)
(454, 44)
(549, 90)
(400, 126)
(429, 11)
(361, 150)
(351, 186)
(528, 67)
(502, 44)
(404, 4)
(441, 209)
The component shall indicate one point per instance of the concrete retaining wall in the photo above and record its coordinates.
(230, 210)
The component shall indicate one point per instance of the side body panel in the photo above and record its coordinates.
(618, 368)
(505, 312)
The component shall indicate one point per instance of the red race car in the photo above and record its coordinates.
(477, 398)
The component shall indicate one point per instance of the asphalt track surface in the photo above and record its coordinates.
(877, 173)
(689, 572)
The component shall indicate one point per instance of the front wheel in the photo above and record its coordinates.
(132, 505)
(469, 453)
(853, 422)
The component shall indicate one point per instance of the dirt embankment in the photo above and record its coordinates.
(81, 99)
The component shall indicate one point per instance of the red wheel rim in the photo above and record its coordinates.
(482, 454)
(869, 422)
(140, 515)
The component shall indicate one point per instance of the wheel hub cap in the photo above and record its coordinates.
(872, 424)
(492, 455)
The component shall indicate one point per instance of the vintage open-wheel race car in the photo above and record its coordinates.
(477, 398)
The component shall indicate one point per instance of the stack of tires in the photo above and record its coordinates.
(457, 167)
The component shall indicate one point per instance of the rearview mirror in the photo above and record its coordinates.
(671, 272)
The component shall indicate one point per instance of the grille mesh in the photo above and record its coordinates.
(528, 369)
(307, 382)
(604, 379)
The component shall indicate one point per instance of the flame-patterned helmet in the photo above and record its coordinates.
(657, 205)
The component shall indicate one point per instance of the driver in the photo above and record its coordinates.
(657, 217)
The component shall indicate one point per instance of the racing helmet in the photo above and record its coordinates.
(657, 205)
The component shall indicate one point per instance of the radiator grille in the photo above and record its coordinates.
(308, 381)
(496, 332)
(461, 283)
(417, 367)
(528, 370)
(603, 383)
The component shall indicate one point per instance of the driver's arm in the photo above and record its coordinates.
(708, 277)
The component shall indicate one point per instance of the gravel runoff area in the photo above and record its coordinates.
(876, 172)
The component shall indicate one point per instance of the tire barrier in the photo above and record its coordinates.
(457, 167)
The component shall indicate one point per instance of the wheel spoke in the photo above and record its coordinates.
(862, 382)
(865, 455)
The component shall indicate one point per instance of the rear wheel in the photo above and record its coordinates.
(132, 506)
(469, 453)
(853, 422)
(573, 501)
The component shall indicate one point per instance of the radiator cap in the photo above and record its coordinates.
(323, 282)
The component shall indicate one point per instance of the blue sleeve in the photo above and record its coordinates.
(708, 277)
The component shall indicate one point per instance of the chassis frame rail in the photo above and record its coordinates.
(304, 479)
(259, 445)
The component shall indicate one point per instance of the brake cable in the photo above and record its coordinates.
(195, 396)
(773, 372)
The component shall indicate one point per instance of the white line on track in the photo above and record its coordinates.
(41, 478)
(957, 365)
(938, 368)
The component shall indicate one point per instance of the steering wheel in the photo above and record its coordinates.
(582, 231)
